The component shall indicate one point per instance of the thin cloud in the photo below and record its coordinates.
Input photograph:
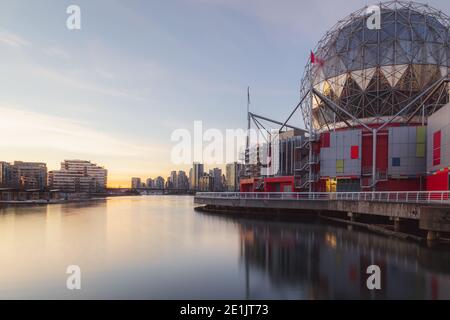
(82, 84)
(13, 40)
(27, 129)
(56, 53)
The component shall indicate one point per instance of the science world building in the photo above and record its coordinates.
(375, 104)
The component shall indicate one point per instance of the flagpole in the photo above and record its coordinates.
(247, 143)
(310, 118)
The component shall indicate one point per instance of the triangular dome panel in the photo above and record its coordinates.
(337, 83)
(363, 77)
(394, 73)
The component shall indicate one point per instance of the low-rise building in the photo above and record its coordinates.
(32, 175)
(78, 176)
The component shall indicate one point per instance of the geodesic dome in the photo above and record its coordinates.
(373, 74)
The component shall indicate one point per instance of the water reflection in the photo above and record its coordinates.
(158, 247)
(320, 262)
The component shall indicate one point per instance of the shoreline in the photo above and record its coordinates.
(45, 202)
(42, 202)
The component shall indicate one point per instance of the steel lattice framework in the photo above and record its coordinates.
(376, 75)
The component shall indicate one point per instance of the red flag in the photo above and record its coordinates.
(316, 60)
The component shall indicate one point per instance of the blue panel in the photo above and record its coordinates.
(396, 162)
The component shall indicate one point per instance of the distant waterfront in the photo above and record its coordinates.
(158, 247)
(24, 198)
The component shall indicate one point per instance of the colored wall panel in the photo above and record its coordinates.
(420, 150)
(406, 155)
(438, 181)
(279, 184)
(343, 144)
(421, 134)
(354, 153)
(437, 148)
(421, 140)
(438, 140)
(325, 141)
(399, 185)
(396, 162)
(340, 166)
(382, 152)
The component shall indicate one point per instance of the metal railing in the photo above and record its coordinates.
(398, 197)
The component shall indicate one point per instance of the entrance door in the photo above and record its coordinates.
(330, 185)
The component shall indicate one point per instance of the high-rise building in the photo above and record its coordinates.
(136, 183)
(31, 175)
(195, 175)
(78, 176)
(216, 174)
(182, 180)
(173, 180)
(159, 183)
(150, 183)
(233, 172)
(206, 183)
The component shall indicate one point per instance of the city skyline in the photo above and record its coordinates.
(67, 164)
(96, 93)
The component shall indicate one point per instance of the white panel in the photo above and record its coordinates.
(444, 71)
(337, 83)
(394, 73)
(363, 77)
(319, 75)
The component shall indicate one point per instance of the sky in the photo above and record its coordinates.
(115, 91)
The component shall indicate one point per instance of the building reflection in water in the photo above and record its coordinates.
(327, 262)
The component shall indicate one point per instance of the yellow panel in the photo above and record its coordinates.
(420, 150)
(421, 134)
(339, 166)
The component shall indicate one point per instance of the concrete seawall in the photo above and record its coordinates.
(433, 218)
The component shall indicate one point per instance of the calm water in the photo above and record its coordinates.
(158, 247)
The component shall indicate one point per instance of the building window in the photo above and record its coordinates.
(396, 162)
